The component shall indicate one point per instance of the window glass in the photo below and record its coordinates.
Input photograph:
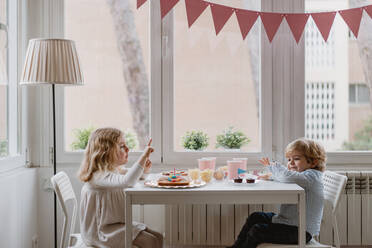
(334, 72)
(3, 78)
(363, 94)
(216, 81)
(352, 93)
(112, 39)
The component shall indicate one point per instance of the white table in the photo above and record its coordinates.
(263, 192)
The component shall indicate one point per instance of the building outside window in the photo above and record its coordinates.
(336, 82)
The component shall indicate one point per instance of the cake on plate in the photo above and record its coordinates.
(173, 180)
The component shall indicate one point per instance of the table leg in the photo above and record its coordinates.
(128, 221)
(301, 220)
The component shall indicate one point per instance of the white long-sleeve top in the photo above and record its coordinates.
(102, 208)
(311, 181)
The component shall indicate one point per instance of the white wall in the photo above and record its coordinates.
(18, 207)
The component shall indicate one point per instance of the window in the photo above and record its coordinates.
(358, 94)
(225, 91)
(8, 83)
(112, 97)
(117, 85)
(213, 84)
(188, 79)
(338, 111)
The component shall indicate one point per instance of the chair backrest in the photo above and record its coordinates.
(64, 192)
(333, 186)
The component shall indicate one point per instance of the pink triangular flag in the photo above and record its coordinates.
(271, 22)
(221, 15)
(166, 6)
(368, 9)
(352, 17)
(194, 8)
(140, 2)
(324, 22)
(246, 19)
(296, 23)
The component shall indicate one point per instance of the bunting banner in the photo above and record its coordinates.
(246, 20)
(220, 15)
(324, 22)
(368, 9)
(296, 23)
(140, 3)
(194, 8)
(166, 6)
(352, 17)
(271, 23)
(271, 20)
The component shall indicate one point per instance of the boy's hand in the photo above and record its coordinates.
(264, 177)
(264, 161)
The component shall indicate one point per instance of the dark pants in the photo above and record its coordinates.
(259, 229)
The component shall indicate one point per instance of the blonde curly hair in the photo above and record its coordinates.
(312, 150)
(100, 153)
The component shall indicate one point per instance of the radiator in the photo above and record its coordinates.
(218, 225)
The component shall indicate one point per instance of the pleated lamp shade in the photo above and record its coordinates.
(51, 61)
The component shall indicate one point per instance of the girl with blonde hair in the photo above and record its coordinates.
(102, 216)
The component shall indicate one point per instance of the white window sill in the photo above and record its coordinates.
(11, 163)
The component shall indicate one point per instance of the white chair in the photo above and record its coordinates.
(64, 191)
(333, 185)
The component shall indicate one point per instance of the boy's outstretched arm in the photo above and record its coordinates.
(281, 174)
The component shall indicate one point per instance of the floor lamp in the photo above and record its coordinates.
(51, 62)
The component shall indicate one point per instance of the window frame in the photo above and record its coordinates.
(189, 158)
(282, 87)
(73, 157)
(15, 158)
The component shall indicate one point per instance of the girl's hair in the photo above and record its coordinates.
(313, 152)
(100, 153)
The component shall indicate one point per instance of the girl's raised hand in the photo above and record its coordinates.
(264, 161)
(148, 149)
(146, 154)
(148, 165)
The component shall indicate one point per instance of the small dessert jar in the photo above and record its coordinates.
(238, 180)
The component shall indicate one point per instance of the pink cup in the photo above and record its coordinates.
(243, 164)
(232, 168)
(207, 163)
(213, 162)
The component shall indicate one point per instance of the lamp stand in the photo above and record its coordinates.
(54, 163)
(46, 62)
